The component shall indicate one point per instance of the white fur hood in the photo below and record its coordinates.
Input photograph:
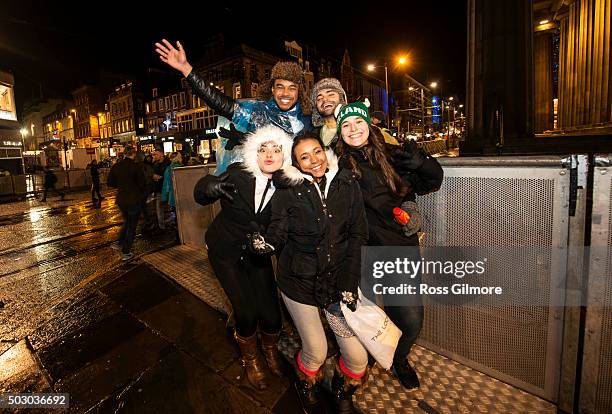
(268, 133)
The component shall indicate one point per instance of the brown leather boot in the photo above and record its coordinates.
(250, 361)
(276, 363)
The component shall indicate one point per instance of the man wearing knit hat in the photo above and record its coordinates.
(326, 95)
(281, 100)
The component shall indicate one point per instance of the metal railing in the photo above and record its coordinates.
(27, 184)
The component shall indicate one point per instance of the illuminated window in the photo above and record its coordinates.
(167, 102)
(182, 99)
(236, 92)
(161, 104)
(147, 108)
(174, 102)
(154, 106)
(140, 123)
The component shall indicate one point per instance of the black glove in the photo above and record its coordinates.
(233, 136)
(217, 187)
(350, 300)
(409, 157)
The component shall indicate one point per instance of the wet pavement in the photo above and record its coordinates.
(115, 336)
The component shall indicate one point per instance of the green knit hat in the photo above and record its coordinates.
(359, 109)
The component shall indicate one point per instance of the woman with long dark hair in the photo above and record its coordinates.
(389, 177)
(319, 226)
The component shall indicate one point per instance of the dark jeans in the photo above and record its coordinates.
(130, 215)
(409, 319)
(95, 189)
(250, 286)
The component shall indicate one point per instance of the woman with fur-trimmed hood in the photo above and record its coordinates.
(246, 191)
(319, 226)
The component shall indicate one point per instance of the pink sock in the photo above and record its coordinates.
(304, 369)
(348, 372)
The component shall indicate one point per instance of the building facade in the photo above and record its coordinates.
(89, 101)
(127, 114)
(11, 140)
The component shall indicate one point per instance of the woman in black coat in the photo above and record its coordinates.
(246, 191)
(389, 177)
(319, 227)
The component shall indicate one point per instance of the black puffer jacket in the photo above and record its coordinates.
(423, 173)
(321, 246)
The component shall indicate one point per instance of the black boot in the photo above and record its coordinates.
(406, 375)
(343, 388)
(309, 392)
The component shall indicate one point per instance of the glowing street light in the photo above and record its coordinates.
(401, 61)
(433, 84)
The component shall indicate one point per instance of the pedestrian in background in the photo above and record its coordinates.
(128, 178)
(146, 163)
(95, 182)
(160, 162)
(167, 194)
(49, 184)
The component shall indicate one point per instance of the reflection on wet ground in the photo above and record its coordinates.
(48, 253)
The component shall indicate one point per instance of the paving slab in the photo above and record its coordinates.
(20, 372)
(113, 371)
(141, 288)
(180, 384)
(66, 356)
(195, 328)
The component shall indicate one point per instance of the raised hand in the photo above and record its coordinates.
(173, 57)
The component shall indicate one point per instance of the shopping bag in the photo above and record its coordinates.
(376, 332)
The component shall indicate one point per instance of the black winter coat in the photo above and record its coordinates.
(129, 180)
(227, 233)
(379, 200)
(321, 246)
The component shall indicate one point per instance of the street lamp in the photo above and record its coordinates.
(401, 61)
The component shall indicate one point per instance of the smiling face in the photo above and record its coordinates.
(269, 157)
(355, 131)
(285, 94)
(326, 102)
(311, 157)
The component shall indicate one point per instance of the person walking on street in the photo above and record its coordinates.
(128, 178)
(95, 182)
(160, 162)
(49, 184)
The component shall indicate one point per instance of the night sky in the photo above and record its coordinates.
(61, 45)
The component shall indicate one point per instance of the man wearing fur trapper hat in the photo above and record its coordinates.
(281, 100)
(326, 95)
